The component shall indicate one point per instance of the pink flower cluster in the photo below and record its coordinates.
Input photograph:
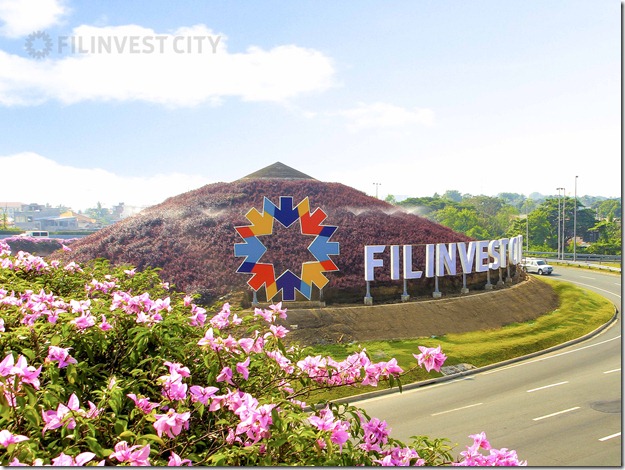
(338, 429)
(60, 355)
(7, 438)
(222, 319)
(430, 358)
(255, 419)
(14, 374)
(65, 415)
(146, 309)
(400, 457)
(355, 369)
(24, 262)
(503, 457)
(270, 315)
(136, 456)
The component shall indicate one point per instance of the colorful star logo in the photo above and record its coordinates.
(253, 249)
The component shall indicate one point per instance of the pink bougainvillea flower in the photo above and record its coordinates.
(480, 441)
(67, 461)
(278, 331)
(278, 310)
(60, 355)
(431, 358)
(27, 374)
(326, 422)
(7, 438)
(202, 394)
(198, 315)
(105, 326)
(225, 375)
(176, 461)
(175, 367)
(136, 458)
(242, 368)
(143, 404)
(84, 321)
(171, 423)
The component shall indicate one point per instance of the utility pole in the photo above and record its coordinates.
(575, 224)
(376, 189)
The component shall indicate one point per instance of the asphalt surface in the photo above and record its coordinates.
(557, 408)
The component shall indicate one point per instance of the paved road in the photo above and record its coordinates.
(562, 408)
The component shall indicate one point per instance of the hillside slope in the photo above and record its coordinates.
(191, 236)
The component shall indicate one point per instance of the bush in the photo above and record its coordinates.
(107, 365)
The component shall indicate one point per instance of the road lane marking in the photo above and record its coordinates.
(610, 436)
(597, 288)
(524, 363)
(456, 409)
(586, 277)
(556, 413)
(547, 386)
(613, 370)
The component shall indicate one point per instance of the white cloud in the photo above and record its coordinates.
(130, 62)
(22, 17)
(384, 115)
(37, 179)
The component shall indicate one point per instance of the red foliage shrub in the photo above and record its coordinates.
(191, 237)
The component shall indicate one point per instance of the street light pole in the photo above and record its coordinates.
(575, 224)
(558, 254)
(527, 228)
(563, 219)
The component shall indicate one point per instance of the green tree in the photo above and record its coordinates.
(609, 209)
(452, 195)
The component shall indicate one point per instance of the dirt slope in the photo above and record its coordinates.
(478, 311)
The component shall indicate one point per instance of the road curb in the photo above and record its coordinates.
(447, 378)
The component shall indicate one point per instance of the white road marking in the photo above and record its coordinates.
(610, 436)
(594, 287)
(586, 277)
(613, 370)
(456, 409)
(556, 413)
(524, 363)
(547, 386)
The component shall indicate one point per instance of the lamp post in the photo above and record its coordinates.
(376, 189)
(527, 228)
(575, 224)
(558, 254)
(563, 219)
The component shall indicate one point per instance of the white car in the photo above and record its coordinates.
(535, 265)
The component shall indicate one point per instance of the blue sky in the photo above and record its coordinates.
(420, 96)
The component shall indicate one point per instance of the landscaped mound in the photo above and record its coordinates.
(192, 236)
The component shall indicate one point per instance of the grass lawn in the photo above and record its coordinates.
(580, 312)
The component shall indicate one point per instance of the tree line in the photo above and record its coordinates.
(597, 225)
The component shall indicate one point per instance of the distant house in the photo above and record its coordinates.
(35, 216)
(81, 221)
(38, 217)
(8, 210)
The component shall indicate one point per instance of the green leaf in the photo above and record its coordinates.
(152, 437)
